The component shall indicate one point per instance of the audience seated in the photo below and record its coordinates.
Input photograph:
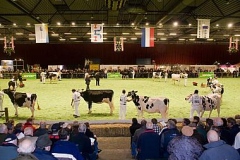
(41, 130)
(233, 130)
(3, 132)
(43, 147)
(209, 124)
(64, 146)
(186, 122)
(82, 141)
(136, 135)
(220, 129)
(156, 128)
(184, 147)
(236, 144)
(134, 126)
(25, 149)
(148, 144)
(197, 135)
(218, 149)
(167, 136)
(8, 150)
(29, 123)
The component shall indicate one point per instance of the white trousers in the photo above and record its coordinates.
(76, 106)
(197, 109)
(43, 79)
(185, 82)
(122, 112)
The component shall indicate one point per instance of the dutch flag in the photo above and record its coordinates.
(147, 39)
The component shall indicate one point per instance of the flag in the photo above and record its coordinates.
(147, 39)
(41, 33)
(96, 32)
(118, 44)
(203, 28)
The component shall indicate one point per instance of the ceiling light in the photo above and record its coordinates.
(147, 24)
(55, 35)
(105, 38)
(62, 39)
(123, 38)
(226, 35)
(28, 24)
(117, 24)
(19, 33)
(134, 38)
(132, 24)
(88, 23)
(125, 33)
(190, 24)
(217, 25)
(67, 33)
(193, 34)
(181, 39)
(163, 39)
(31, 39)
(138, 33)
(160, 34)
(73, 23)
(230, 25)
(237, 35)
(58, 23)
(103, 24)
(209, 39)
(175, 24)
(192, 39)
(31, 34)
(14, 24)
(73, 38)
(173, 34)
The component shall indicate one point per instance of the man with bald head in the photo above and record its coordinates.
(218, 149)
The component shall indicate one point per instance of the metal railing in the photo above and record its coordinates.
(6, 114)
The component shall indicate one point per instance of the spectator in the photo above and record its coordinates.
(220, 129)
(29, 123)
(184, 147)
(135, 125)
(3, 132)
(186, 122)
(97, 77)
(43, 146)
(218, 149)
(136, 135)
(87, 81)
(26, 147)
(167, 136)
(9, 147)
(233, 130)
(82, 141)
(64, 146)
(197, 135)
(236, 144)
(148, 144)
(209, 124)
(156, 128)
(41, 130)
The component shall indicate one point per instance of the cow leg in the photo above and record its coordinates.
(201, 113)
(111, 107)
(16, 110)
(218, 110)
(89, 107)
(32, 110)
(210, 112)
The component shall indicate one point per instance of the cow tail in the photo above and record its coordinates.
(38, 107)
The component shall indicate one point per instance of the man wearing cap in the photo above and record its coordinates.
(43, 146)
(9, 147)
(185, 146)
(75, 102)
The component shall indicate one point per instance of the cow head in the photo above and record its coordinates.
(9, 93)
(135, 97)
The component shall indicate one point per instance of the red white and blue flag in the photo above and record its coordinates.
(147, 39)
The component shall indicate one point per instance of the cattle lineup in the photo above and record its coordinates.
(157, 100)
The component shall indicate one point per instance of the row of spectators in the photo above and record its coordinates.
(61, 140)
(217, 139)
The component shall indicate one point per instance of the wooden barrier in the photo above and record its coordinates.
(6, 114)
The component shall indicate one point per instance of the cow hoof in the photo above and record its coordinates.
(89, 112)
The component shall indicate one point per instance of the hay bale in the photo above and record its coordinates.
(194, 83)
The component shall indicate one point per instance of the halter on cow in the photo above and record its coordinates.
(150, 105)
(22, 100)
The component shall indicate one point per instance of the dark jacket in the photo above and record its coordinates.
(43, 155)
(148, 145)
(219, 150)
(8, 152)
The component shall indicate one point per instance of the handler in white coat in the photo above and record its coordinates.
(75, 102)
(43, 76)
(195, 100)
(123, 105)
(1, 102)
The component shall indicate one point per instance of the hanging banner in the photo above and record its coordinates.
(96, 32)
(118, 44)
(147, 39)
(41, 33)
(203, 28)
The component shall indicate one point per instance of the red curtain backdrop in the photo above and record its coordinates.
(75, 54)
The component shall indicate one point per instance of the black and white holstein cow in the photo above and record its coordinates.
(19, 99)
(208, 103)
(150, 105)
(98, 96)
